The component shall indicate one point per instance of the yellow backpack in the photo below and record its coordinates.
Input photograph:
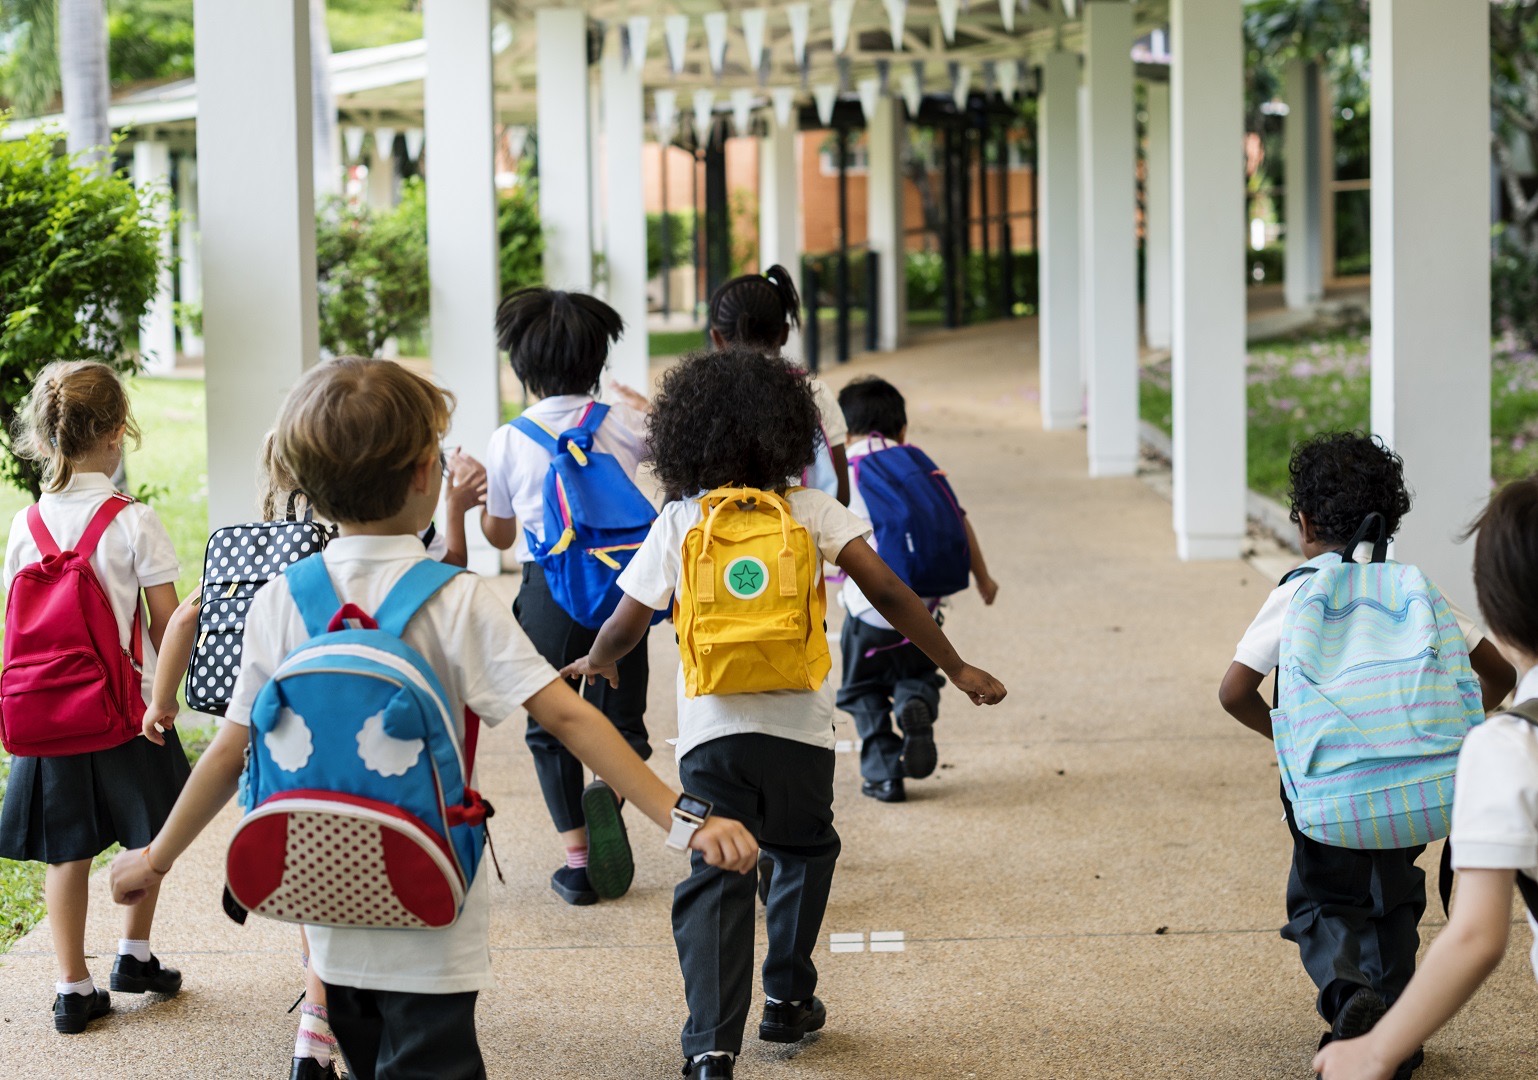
(751, 608)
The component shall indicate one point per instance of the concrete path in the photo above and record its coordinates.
(1090, 885)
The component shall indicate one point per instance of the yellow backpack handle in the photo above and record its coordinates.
(705, 577)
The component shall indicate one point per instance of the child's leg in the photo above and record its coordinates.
(412, 1035)
(139, 919)
(314, 1039)
(866, 695)
(916, 702)
(1399, 887)
(66, 892)
(798, 834)
(359, 1028)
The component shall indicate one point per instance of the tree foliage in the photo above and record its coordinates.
(371, 269)
(1514, 94)
(79, 260)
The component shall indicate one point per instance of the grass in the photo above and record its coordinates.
(676, 342)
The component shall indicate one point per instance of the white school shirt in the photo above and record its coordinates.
(1260, 648)
(853, 600)
(822, 475)
(1495, 797)
(516, 465)
(135, 552)
(484, 661)
(656, 572)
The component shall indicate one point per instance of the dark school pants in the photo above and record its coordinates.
(882, 673)
(783, 792)
(1355, 916)
(560, 640)
(389, 1035)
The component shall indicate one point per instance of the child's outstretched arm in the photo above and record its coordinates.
(1240, 697)
(1461, 958)
(620, 633)
(466, 486)
(908, 615)
(1497, 677)
(987, 588)
(175, 655)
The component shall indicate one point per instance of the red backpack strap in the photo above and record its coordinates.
(85, 547)
(472, 737)
(40, 534)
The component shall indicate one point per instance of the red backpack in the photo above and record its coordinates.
(68, 685)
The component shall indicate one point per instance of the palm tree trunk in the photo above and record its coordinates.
(83, 74)
(328, 167)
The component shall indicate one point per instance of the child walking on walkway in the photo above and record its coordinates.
(66, 808)
(558, 344)
(1353, 912)
(884, 672)
(744, 556)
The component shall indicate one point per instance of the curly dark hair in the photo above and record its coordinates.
(732, 418)
(756, 309)
(1506, 564)
(1340, 477)
(557, 342)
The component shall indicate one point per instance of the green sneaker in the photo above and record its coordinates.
(610, 866)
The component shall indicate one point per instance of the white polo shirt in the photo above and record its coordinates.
(135, 552)
(485, 662)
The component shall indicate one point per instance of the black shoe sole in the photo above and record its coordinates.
(917, 722)
(129, 984)
(1358, 1015)
(791, 1033)
(610, 864)
(574, 897)
(75, 1023)
(896, 797)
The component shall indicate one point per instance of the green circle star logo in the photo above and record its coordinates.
(746, 577)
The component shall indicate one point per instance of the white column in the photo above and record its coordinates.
(462, 257)
(1431, 269)
(189, 263)
(381, 177)
(1062, 383)
(157, 329)
(885, 135)
(624, 133)
(258, 229)
(1303, 272)
(565, 171)
(1157, 297)
(779, 209)
(1110, 250)
(1207, 125)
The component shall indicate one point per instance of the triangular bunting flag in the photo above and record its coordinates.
(415, 137)
(753, 23)
(1007, 10)
(742, 110)
(948, 9)
(913, 93)
(784, 98)
(665, 103)
(637, 27)
(897, 15)
(676, 29)
(704, 104)
(961, 83)
(515, 140)
(1006, 76)
(352, 142)
(800, 16)
(384, 142)
(841, 12)
(826, 96)
(715, 38)
(870, 98)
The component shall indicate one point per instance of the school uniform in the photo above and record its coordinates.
(832, 430)
(63, 809)
(377, 980)
(516, 467)
(1354, 914)
(763, 759)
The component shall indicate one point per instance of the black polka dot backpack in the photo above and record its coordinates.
(240, 560)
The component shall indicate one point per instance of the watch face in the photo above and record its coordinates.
(691, 805)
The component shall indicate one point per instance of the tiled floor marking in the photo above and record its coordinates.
(887, 941)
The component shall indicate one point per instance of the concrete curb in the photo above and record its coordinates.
(1264, 511)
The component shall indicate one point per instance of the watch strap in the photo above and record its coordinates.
(681, 833)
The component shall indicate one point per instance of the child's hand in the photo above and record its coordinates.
(157, 719)
(467, 484)
(133, 876)
(1352, 1059)
(726, 843)
(585, 669)
(988, 589)
(978, 685)
(633, 398)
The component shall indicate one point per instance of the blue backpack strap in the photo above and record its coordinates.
(309, 584)
(594, 417)
(536, 431)
(420, 585)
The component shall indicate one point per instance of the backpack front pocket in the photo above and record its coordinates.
(751, 653)
(63, 698)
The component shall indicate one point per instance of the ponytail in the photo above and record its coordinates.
(754, 309)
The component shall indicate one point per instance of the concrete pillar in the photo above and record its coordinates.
(1110, 191)
(1303, 272)
(624, 133)
(1207, 128)
(381, 175)
(779, 209)
(885, 136)
(258, 229)
(462, 256)
(1062, 384)
(1158, 299)
(1431, 269)
(189, 246)
(565, 167)
(157, 330)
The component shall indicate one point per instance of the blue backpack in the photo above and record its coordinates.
(920, 530)
(358, 809)
(595, 519)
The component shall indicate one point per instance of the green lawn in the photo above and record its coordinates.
(676, 342)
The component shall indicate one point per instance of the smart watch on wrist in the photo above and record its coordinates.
(689, 813)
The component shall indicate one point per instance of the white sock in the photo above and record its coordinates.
(139, 950)
(84, 987)
(714, 1053)
(315, 1038)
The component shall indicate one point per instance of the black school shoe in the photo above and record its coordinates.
(917, 721)
(571, 884)
(1361, 1012)
(610, 866)
(884, 790)
(307, 1068)
(787, 1023)
(715, 1067)
(72, 1012)
(131, 975)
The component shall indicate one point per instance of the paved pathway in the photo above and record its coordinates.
(1089, 887)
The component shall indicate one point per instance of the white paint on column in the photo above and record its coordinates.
(1303, 270)
(462, 252)
(1062, 387)
(1431, 269)
(157, 329)
(189, 262)
(1110, 188)
(779, 207)
(1157, 298)
(885, 137)
(258, 228)
(565, 182)
(1207, 128)
(624, 120)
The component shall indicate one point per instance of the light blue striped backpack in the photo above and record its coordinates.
(1374, 696)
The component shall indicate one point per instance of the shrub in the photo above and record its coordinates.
(522, 242)
(1514, 287)
(680, 241)
(371, 271)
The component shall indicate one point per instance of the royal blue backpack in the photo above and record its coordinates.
(358, 806)
(920, 530)
(595, 519)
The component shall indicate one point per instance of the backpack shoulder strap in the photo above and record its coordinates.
(1295, 573)
(1526, 710)
(309, 583)
(594, 416)
(40, 534)
(420, 584)
(531, 427)
(85, 547)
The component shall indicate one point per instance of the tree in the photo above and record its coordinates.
(83, 76)
(1514, 94)
(79, 261)
(371, 272)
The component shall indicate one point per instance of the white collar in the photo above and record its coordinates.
(560, 403)
(1527, 686)
(88, 481)
(376, 548)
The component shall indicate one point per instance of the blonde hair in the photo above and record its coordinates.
(74, 407)
(274, 481)
(353, 430)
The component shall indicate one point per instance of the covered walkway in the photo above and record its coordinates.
(1089, 886)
